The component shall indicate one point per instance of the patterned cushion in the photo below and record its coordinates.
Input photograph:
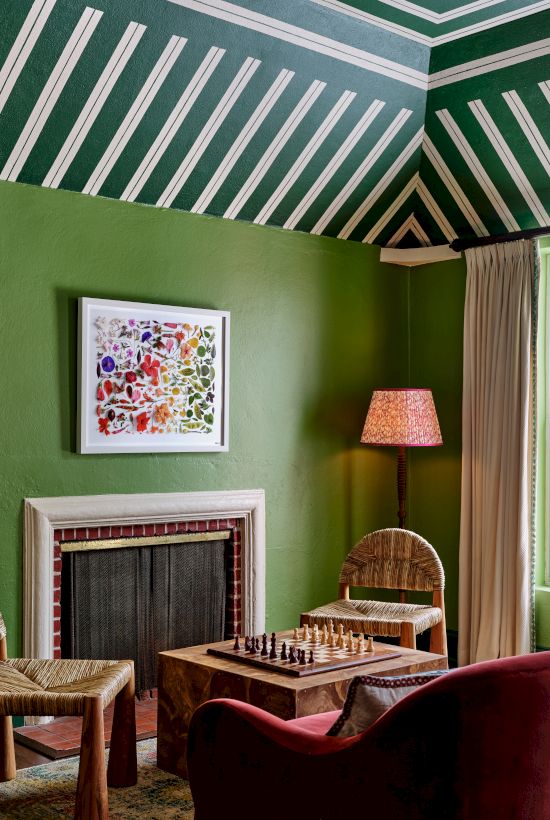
(369, 697)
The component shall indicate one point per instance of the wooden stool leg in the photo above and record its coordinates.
(122, 768)
(438, 639)
(91, 791)
(7, 749)
(408, 636)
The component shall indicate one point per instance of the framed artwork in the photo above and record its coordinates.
(152, 378)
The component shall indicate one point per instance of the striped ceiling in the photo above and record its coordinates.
(305, 114)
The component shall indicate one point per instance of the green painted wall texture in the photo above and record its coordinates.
(316, 323)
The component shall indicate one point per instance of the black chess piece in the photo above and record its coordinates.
(273, 650)
(246, 644)
(264, 645)
(292, 655)
(302, 656)
(237, 645)
(284, 656)
(253, 649)
(311, 659)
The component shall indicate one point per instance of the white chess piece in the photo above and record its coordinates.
(296, 635)
(305, 633)
(370, 645)
(360, 645)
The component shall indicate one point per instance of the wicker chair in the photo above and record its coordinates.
(74, 687)
(390, 559)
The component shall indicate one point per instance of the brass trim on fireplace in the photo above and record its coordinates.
(143, 541)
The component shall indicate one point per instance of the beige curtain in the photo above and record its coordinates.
(495, 537)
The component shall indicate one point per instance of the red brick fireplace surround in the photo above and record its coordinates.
(233, 613)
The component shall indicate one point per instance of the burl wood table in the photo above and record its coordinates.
(188, 677)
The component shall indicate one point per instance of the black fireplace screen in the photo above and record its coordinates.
(133, 602)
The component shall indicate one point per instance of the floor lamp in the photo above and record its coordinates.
(402, 417)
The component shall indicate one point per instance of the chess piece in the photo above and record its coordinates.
(273, 650)
(237, 645)
(331, 640)
(253, 649)
(302, 656)
(314, 636)
(360, 645)
(324, 637)
(292, 655)
(257, 644)
(284, 656)
(350, 641)
(330, 626)
(311, 658)
(305, 633)
(370, 644)
(264, 645)
(340, 640)
(296, 635)
(247, 644)
(340, 628)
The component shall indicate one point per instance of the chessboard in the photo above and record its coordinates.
(303, 654)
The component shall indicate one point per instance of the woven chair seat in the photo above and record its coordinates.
(58, 687)
(375, 617)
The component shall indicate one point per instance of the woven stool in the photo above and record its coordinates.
(74, 687)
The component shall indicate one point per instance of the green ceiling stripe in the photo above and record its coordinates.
(174, 122)
(453, 187)
(63, 69)
(336, 162)
(512, 165)
(304, 38)
(246, 134)
(476, 167)
(437, 213)
(203, 140)
(390, 212)
(23, 46)
(110, 74)
(305, 156)
(274, 149)
(529, 128)
(381, 186)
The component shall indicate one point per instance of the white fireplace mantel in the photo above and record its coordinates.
(44, 515)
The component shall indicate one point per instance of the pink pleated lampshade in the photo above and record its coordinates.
(402, 417)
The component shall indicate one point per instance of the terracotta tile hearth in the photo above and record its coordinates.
(61, 737)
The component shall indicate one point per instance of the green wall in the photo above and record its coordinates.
(316, 324)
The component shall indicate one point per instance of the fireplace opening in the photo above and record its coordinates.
(134, 597)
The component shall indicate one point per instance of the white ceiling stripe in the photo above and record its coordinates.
(50, 93)
(242, 141)
(311, 40)
(436, 212)
(22, 47)
(373, 156)
(382, 184)
(340, 156)
(400, 232)
(545, 88)
(94, 104)
(172, 125)
(440, 17)
(409, 189)
(529, 128)
(136, 113)
(453, 187)
(477, 169)
(485, 25)
(274, 149)
(493, 62)
(209, 131)
(305, 156)
(420, 233)
(509, 161)
(380, 22)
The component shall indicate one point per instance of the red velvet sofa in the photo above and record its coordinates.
(471, 745)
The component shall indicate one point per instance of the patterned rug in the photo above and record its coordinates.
(48, 791)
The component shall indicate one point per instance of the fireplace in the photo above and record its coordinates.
(51, 522)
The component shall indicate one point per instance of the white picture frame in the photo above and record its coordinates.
(152, 378)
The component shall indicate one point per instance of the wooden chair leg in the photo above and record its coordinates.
(122, 768)
(438, 639)
(91, 791)
(408, 635)
(7, 749)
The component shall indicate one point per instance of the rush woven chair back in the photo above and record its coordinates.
(74, 687)
(390, 559)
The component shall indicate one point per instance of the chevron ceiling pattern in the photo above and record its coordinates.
(379, 121)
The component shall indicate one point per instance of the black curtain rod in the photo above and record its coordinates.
(462, 244)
